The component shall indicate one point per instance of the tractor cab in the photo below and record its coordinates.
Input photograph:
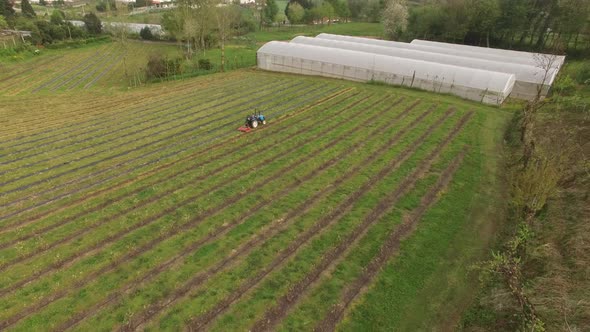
(253, 121)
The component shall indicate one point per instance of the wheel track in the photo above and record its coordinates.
(389, 248)
(274, 315)
(76, 67)
(155, 308)
(153, 112)
(91, 110)
(226, 227)
(41, 303)
(171, 117)
(127, 152)
(195, 181)
(143, 176)
(112, 199)
(201, 322)
(330, 95)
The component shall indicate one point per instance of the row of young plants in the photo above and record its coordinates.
(60, 237)
(55, 177)
(190, 188)
(47, 73)
(25, 125)
(249, 300)
(124, 126)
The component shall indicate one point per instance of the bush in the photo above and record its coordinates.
(583, 74)
(146, 33)
(159, 67)
(565, 85)
(205, 64)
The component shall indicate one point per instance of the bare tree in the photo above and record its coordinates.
(225, 16)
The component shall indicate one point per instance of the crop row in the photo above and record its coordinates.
(132, 158)
(57, 117)
(202, 139)
(202, 286)
(242, 194)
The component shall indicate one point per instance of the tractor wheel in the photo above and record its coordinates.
(263, 122)
(254, 124)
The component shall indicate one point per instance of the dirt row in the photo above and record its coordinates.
(390, 247)
(89, 228)
(217, 233)
(206, 117)
(114, 198)
(275, 314)
(151, 244)
(134, 119)
(338, 212)
(121, 172)
(168, 165)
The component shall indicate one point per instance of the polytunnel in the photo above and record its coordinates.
(528, 78)
(473, 84)
(535, 59)
(450, 50)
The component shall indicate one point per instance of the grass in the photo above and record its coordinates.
(130, 199)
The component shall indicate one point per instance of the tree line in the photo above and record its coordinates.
(522, 24)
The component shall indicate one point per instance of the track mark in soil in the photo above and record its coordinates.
(160, 305)
(201, 322)
(274, 315)
(390, 247)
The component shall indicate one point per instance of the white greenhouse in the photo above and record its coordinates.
(475, 84)
(528, 78)
(533, 59)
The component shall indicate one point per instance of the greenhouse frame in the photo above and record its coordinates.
(485, 86)
(529, 79)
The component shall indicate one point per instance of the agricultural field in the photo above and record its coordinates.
(357, 207)
(102, 66)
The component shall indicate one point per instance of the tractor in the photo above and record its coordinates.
(252, 121)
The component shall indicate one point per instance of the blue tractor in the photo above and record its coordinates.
(252, 121)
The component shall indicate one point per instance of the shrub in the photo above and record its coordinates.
(205, 64)
(146, 33)
(583, 74)
(159, 67)
(565, 85)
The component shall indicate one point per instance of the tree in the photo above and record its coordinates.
(93, 24)
(57, 17)
(3, 23)
(27, 9)
(6, 9)
(295, 12)
(270, 11)
(225, 16)
(483, 15)
(395, 18)
(146, 33)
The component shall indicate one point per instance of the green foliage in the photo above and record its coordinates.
(3, 23)
(564, 85)
(146, 33)
(6, 9)
(583, 74)
(93, 24)
(159, 67)
(270, 11)
(27, 9)
(57, 17)
(205, 64)
(295, 12)
(106, 5)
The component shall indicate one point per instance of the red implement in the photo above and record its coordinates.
(244, 129)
